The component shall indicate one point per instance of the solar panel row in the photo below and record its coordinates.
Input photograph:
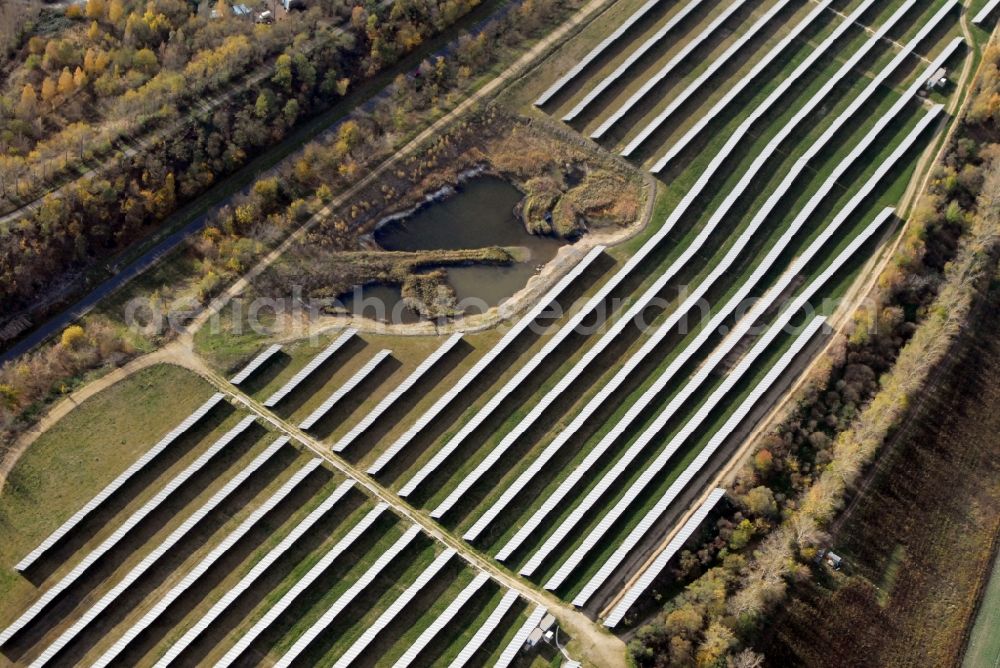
(372, 416)
(689, 48)
(678, 100)
(396, 607)
(347, 597)
(123, 585)
(634, 591)
(595, 53)
(315, 363)
(512, 649)
(344, 389)
(255, 364)
(126, 527)
(718, 438)
(633, 57)
(483, 633)
(202, 567)
(248, 580)
(120, 481)
(442, 621)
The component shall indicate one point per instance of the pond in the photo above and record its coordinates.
(383, 303)
(479, 215)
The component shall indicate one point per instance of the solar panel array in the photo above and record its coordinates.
(718, 63)
(396, 607)
(320, 567)
(551, 502)
(759, 271)
(486, 630)
(621, 467)
(682, 55)
(595, 52)
(220, 606)
(119, 482)
(162, 549)
(985, 12)
(210, 559)
(308, 369)
(608, 390)
(442, 621)
(344, 389)
(130, 523)
(716, 441)
(512, 649)
(345, 599)
(786, 83)
(633, 57)
(645, 581)
(483, 363)
(255, 364)
(373, 415)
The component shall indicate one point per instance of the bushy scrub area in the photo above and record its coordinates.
(806, 468)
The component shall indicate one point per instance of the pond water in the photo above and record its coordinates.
(480, 214)
(379, 302)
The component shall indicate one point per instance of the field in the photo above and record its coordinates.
(918, 541)
(556, 455)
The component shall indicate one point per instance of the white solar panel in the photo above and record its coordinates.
(804, 67)
(563, 437)
(486, 630)
(655, 468)
(773, 253)
(483, 363)
(320, 567)
(344, 389)
(130, 523)
(654, 570)
(689, 47)
(209, 560)
(985, 12)
(163, 548)
(255, 364)
(718, 63)
(633, 57)
(716, 441)
(442, 620)
(396, 607)
(702, 238)
(345, 599)
(120, 481)
(512, 649)
(372, 416)
(597, 51)
(254, 574)
(309, 368)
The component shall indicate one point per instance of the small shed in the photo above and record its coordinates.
(834, 560)
(938, 80)
(534, 638)
(548, 621)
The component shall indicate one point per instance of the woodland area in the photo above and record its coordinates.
(159, 94)
(805, 469)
